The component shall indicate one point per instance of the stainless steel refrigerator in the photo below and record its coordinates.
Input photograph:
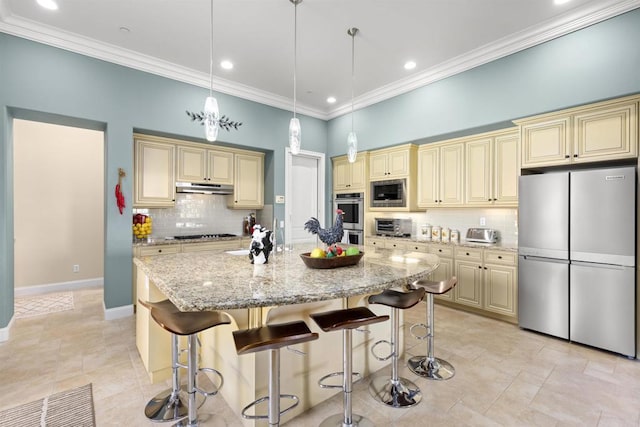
(577, 255)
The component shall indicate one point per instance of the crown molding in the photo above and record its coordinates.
(593, 13)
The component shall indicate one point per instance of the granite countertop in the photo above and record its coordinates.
(498, 245)
(162, 241)
(217, 280)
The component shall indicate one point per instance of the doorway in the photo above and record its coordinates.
(304, 194)
(58, 207)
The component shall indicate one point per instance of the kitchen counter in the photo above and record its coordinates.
(163, 241)
(463, 243)
(217, 280)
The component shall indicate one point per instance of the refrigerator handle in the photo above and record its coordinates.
(595, 265)
(543, 259)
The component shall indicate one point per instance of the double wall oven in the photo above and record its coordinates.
(352, 206)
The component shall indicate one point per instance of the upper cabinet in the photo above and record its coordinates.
(248, 183)
(389, 163)
(202, 165)
(441, 174)
(597, 132)
(492, 169)
(350, 177)
(154, 183)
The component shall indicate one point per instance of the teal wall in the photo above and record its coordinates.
(49, 84)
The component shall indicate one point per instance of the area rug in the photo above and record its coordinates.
(37, 305)
(67, 408)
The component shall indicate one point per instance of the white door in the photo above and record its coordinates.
(304, 195)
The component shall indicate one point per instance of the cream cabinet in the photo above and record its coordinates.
(389, 163)
(468, 270)
(440, 175)
(350, 176)
(248, 182)
(196, 164)
(592, 133)
(500, 282)
(492, 169)
(154, 183)
(445, 269)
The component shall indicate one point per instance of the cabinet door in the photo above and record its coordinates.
(192, 164)
(500, 289)
(546, 143)
(248, 186)
(606, 133)
(444, 272)
(378, 165)
(154, 178)
(358, 173)
(451, 175)
(220, 167)
(428, 177)
(341, 174)
(468, 291)
(398, 163)
(506, 167)
(479, 185)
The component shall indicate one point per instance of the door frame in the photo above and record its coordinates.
(320, 157)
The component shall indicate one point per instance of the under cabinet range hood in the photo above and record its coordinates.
(199, 188)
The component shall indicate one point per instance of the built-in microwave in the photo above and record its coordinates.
(389, 193)
(352, 207)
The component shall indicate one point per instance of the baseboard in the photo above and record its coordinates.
(4, 332)
(58, 287)
(117, 312)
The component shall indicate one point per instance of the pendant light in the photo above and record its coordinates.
(352, 139)
(211, 111)
(295, 133)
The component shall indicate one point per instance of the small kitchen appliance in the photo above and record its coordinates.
(482, 235)
(396, 227)
(389, 193)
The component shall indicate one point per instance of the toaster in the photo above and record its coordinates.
(482, 235)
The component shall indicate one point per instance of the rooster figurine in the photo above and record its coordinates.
(329, 236)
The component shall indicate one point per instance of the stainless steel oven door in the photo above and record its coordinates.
(353, 237)
(352, 206)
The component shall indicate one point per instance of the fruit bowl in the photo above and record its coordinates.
(333, 262)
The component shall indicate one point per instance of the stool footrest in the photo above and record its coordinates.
(382, 359)
(420, 325)
(216, 387)
(321, 383)
(266, 398)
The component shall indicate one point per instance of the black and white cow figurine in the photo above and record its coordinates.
(261, 245)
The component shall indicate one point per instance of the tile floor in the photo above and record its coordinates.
(504, 376)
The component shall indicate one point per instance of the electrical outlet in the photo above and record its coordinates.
(76, 268)
(483, 221)
(279, 199)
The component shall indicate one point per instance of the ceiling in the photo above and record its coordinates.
(171, 38)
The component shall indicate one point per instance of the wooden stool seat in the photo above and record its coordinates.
(170, 318)
(436, 288)
(271, 337)
(350, 318)
(396, 299)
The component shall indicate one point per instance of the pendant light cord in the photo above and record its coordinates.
(353, 78)
(211, 53)
(295, 53)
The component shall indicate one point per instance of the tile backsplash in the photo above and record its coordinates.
(505, 220)
(196, 214)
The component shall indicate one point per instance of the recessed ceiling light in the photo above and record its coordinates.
(227, 65)
(559, 2)
(331, 100)
(409, 65)
(48, 4)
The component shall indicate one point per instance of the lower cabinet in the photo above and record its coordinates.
(500, 282)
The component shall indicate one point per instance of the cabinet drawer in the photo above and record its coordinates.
(500, 257)
(418, 247)
(375, 242)
(468, 254)
(395, 245)
(159, 250)
(441, 250)
(214, 246)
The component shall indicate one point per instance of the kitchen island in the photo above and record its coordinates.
(282, 290)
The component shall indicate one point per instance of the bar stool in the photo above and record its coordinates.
(429, 366)
(395, 391)
(346, 320)
(272, 338)
(170, 405)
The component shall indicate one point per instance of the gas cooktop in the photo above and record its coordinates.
(203, 236)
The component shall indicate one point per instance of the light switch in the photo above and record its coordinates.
(279, 199)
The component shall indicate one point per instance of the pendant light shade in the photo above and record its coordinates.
(352, 138)
(211, 111)
(295, 132)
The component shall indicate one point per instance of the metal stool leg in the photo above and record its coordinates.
(347, 419)
(430, 366)
(274, 387)
(172, 404)
(192, 367)
(396, 392)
